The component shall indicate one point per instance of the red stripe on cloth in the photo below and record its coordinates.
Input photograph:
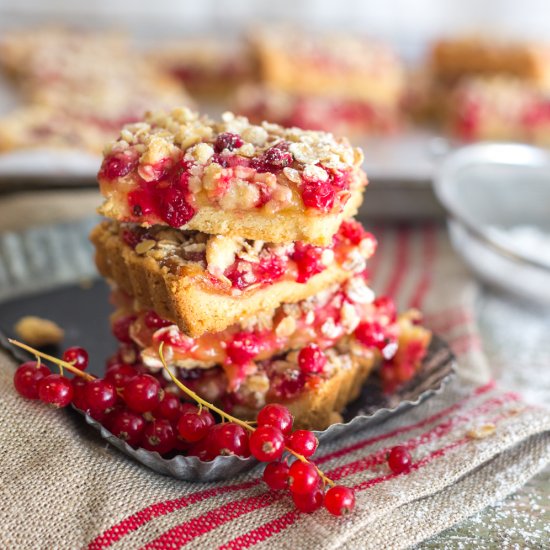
(263, 532)
(429, 252)
(404, 429)
(465, 342)
(447, 325)
(401, 263)
(444, 315)
(436, 433)
(133, 522)
(416, 466)
(428, 458)
(185, 532)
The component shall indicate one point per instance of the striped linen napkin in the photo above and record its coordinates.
(62, 486)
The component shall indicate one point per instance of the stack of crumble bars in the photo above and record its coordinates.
(235, 246)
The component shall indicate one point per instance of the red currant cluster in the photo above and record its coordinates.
(305, 481)
(135, 408)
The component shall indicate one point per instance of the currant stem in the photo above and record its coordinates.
(59, 362)
(246, 425)
(199, 399)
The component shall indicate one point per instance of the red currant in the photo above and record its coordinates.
(191, 427)
(311, 359)
(174, 208)
(202, 449)
(399, 459)
(152, 320)
(303, 442)
(228, 141)
(276, 475)
(242, 348)
(56, 390)
(127, 426)
(371, 334)
(169, 407)
(309, 502)
(339, 500)
(117, 166)
(27, 376)
(119, 374)
(158, 436)
(303, 477)
(77, 357)
(207, 418)
(353, 231)
(187, 407)
(267, 443)
(121, 328)
(308, 261)
(143, 393)
(100, 395)
(386, 306)
(277, 416)
(227, 439)
(79, 394)
(318, 195)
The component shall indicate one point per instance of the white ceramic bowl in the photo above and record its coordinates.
(497, 197)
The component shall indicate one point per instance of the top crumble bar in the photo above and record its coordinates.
(231, 178)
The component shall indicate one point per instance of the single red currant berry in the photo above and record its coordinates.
(311, 359)
(267, 443)
(228, 141)
(276, 475)
(152, 320)
(169, 407)
(340, 500)
(100, 395)
(319, 195)
(27, 376)
(386, 306)
(278, 156)
(79, 394)
(158, 436)
(119, 374)
(191, 427)
(203, 449)
(207, 418)
(303, 477)
(187, 407)
(77, 357)
(243, 347)
(121, 328)
(303, 442)
(174, 208)
(142, 393)
(371, 334)
(127, 426)
(227, 439)
(56, 390)
(309, 502)
(399, 459)
(277, 416)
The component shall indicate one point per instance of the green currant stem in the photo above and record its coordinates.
(226, 416)
(59, 362)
